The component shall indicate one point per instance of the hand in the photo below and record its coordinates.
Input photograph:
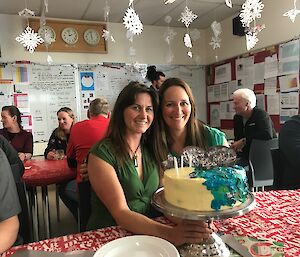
(238, 145)
(191, 232)
(22, 156)
(51, 155)
(84, 171)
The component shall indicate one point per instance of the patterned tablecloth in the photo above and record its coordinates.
(276, 217)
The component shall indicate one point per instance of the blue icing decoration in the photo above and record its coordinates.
(227, 184)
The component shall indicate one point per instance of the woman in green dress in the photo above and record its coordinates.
(178, 123)
(124, 172)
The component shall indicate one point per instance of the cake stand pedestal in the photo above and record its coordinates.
(214, 246)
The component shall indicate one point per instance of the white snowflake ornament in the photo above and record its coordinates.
(26, 13)
(132, 21)
(215, 42)
(29, 39)
(187, 41)
(169, 1)
(292, 13)
(190, 54)
(130, 2)
(251, 10)
(106, 35)
(169, 35)
(251, 40)
(216, 28)
(228, 3)
(187, 17)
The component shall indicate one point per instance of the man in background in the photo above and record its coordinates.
(84, 135)
(9, 205)
(250, 123)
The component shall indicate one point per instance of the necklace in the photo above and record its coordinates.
(134, 157)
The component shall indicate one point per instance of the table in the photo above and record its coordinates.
(276, 217)
(42, 172)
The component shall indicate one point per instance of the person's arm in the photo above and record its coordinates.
(8, 232)
(49, 153)
(110, 192)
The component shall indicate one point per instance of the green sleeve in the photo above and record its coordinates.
(214, 136)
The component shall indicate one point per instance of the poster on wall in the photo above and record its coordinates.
(215, 115)
(87, 80)
(289, 83)
(223, 73)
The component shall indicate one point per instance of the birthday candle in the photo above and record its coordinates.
(176, 166)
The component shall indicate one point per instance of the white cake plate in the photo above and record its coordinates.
(214, 246)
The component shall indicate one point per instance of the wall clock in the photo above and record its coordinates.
(47, 33)
(69, 35)
(91, 36)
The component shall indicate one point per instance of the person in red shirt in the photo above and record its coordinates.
(84, 135)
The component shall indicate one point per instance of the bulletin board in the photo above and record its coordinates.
(39, 90)
(272, 73)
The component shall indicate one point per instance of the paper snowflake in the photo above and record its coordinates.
(187, 17)
(169, 1)
(215, 42)
(130, 2)
(132, 21)
(228, 3)
(187, 41)
(29, 39)
(216, 28)
(251, 40)
(26, 13)
(251, 10)
(190, 54)
(169, 35)
(195, 34)
(292, 13)
(106, 35)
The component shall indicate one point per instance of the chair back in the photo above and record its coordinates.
(277, 167)
(260, 161)
(84, 204)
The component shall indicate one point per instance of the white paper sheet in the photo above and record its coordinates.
(273, 104)
(289, 83)
(270, 86)
(271, 66)
(223, 73)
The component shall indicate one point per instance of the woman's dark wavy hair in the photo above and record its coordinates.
(195, 129)
(116, 128)
(14, 111)
(153, 74)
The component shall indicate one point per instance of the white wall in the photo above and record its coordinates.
(150, 46)
(278, 29)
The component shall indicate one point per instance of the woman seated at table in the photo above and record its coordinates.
(59, 137)
(178, 123)
(13, 131)
(124, 173)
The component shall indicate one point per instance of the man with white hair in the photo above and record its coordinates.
(250, 123)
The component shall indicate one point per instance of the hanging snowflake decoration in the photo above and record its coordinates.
(130, 2)
(251, 40)
(169, 1)
(169, 35)
(215, 42)
(29, 39)
(26, 13)
(106, 10)
(292, 13)
(251, 10)
(187, 17)
(190, 54)
(106, 35)
(168, 19)
(187, 41)
(195, 34)
(132, 21)
(228, 3)
(216, 28)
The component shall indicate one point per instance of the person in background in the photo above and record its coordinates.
(59, 137)
(289, 147)
(156, 78)
(9, 206)
(178, 123)
(124, 173)
(250, 123)
(84, 134)
(13, 131)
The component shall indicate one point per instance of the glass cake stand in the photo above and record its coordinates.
(214, 246)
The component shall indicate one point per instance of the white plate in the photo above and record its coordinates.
(138, 246)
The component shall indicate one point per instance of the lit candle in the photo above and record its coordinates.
(176, 166)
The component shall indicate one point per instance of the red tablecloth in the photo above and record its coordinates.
(41, 172)
(276, 217)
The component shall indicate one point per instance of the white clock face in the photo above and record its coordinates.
(69, 35)
(47, 33)
(91, 36)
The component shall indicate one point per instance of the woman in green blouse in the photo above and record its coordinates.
(178, 122)
(124, 173)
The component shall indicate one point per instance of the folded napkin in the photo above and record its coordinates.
(31, 253)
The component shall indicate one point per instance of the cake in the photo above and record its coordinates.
(215, 189)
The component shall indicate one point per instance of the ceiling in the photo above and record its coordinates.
(151, 12)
